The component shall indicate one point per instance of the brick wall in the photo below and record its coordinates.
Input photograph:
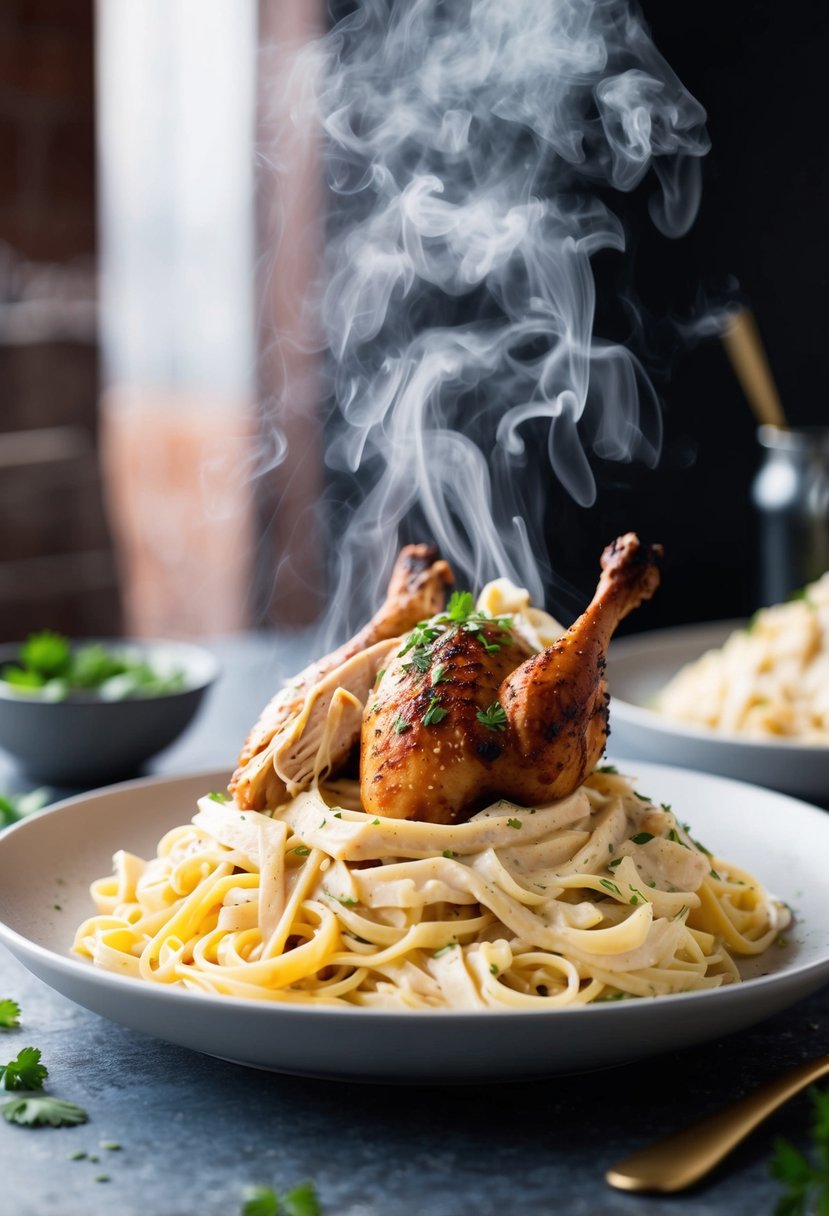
(47, 127)
(56, 561)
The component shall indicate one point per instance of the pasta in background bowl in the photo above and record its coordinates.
(642, 666)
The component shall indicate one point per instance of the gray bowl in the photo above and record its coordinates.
(86, 741)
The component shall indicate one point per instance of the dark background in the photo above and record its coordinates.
(760, 239)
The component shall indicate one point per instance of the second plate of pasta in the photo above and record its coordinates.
(642, 666)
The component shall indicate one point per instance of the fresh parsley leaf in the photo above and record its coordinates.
(260, 1201)
(611, 886)
(435, 713)
(25, 1071)
(401, 726)
(43, 1111)
(514, 823)
(460, 606)
(606, 768)
(642, 837)
(437, 674)
(806, 1178)
(494, 717)
(9, 1014)
(46, 653)
(302, 1201)
(218, 796)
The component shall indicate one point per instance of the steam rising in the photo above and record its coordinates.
(467, 146)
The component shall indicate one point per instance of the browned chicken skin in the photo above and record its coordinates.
(474, 718)
(417, 589)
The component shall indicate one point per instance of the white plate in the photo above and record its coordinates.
(638, 669)
(50, 859)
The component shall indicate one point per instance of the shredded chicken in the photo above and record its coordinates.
(280, 751)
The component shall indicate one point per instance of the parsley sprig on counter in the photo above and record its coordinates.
(9, 1014)
(24, 1075)
(264, 1201)
(806, 1177)
(49, 667)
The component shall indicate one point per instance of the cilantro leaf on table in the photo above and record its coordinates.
(9, 1014)
(260, 1201)
(805, 1177)
(264, 1201)
(25, 1071)
(302, 1201)
(40, 1110)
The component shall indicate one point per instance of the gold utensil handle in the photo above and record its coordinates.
(684, 1157)
(744, 346)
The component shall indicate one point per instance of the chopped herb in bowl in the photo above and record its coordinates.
(48, 667)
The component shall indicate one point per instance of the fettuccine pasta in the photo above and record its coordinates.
(769, 680)
(600, 896)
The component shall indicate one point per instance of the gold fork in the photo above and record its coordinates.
(681, 1159)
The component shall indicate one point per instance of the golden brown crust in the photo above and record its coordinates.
(555, 707)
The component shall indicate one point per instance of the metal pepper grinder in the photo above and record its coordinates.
(791, 495)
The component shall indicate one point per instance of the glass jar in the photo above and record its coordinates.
(791, 495)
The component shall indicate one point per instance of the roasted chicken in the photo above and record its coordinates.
(313, 723)
(465, 713)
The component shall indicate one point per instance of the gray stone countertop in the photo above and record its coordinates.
(195, 1132)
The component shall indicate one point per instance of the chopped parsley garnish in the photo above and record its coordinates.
(301, 850)
(514, 823)
(494, 717)
(401, 726)
(43, 1111)
(420, 661)
(606, 768)
(611, 886)
(636, 896)
(448, 853)
(494, 968)
(48, 667)
(461, 606)
(217, 796)
(25, 1071)
(642, 837)
(444, 949)
(460, 614)
(641, 797)
(9, 1014)
(435, 713)
(617, 861)
(437, 674)
(345, 900)
(713, 874)
(375, 823)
